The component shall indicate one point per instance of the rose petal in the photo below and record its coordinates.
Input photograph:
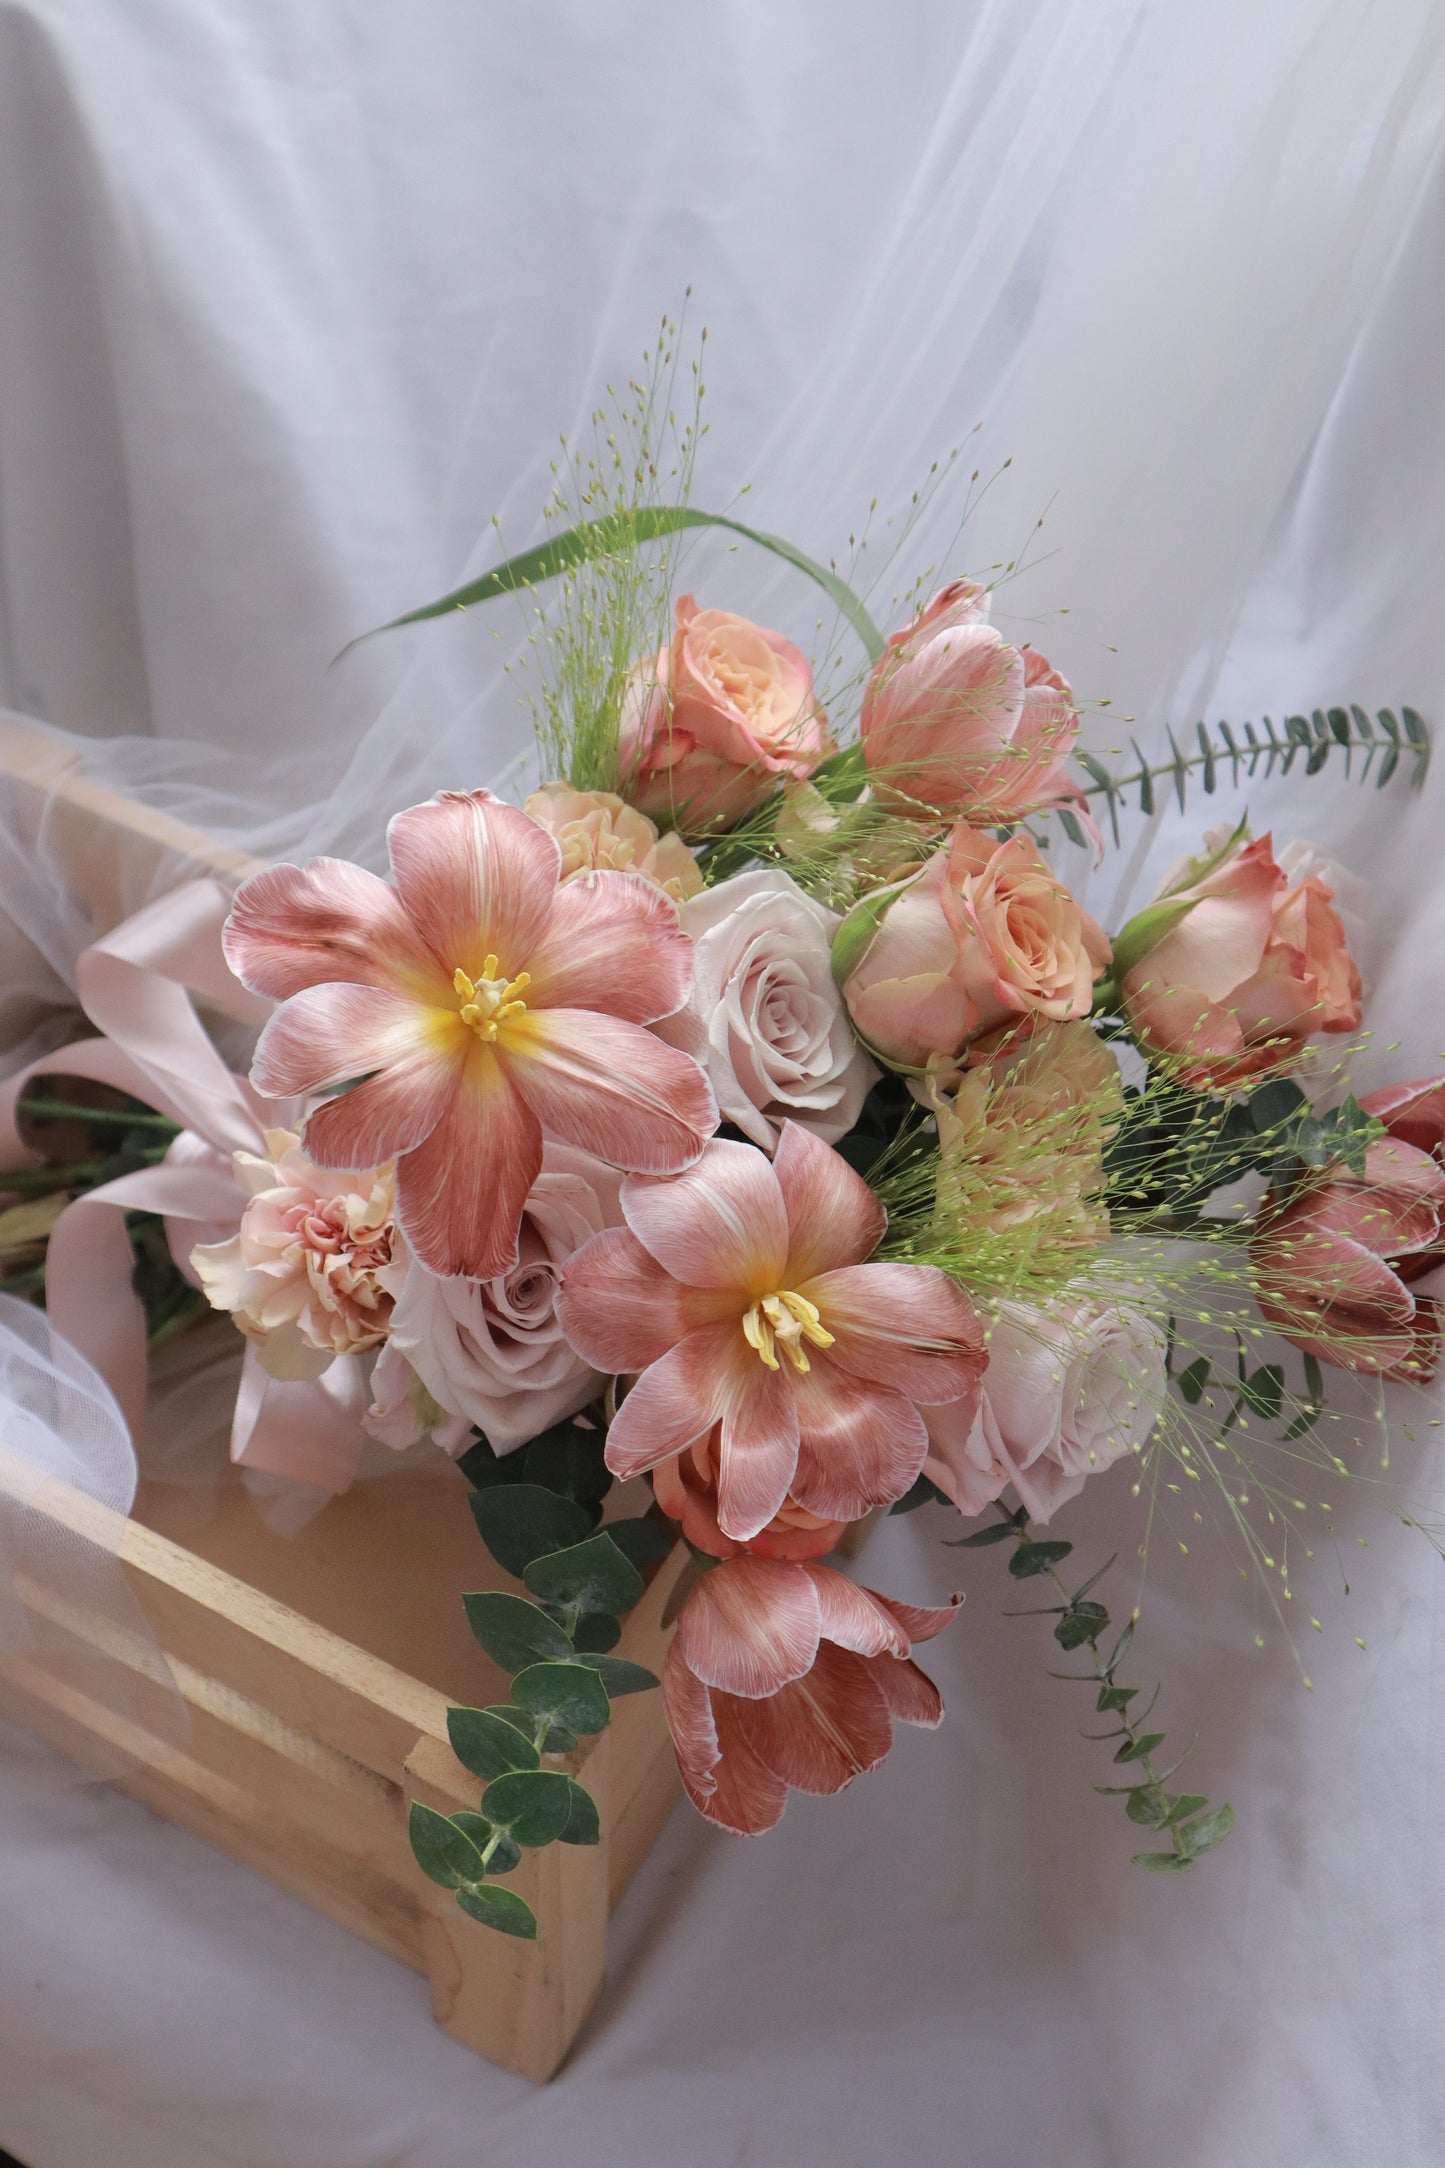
(610, 1088)
(907, 1327)
(297, 926)
(719, 1224)
(621, 1310)
(676, 1400)
(477, 877)
(750, 1626)
(613, 943)
(911, 1696)
(834, 1219)
(859, 1446)
(459, 1195)
(823, 1730)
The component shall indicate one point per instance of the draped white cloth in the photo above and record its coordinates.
(291, 302)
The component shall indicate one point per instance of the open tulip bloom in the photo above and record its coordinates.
(861, 1213)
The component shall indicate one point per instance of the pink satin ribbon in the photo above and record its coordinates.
(136, 986)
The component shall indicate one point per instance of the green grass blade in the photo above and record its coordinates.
(620, 531)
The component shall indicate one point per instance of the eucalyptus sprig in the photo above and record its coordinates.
(537, 1511)
(1186, 1818)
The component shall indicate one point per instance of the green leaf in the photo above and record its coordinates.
(557, 1741)
(593, 1575)
(583, 1826)
(1115, 1697)
(1192, 1381)
(611, 537)
(1036, 1557)
(482, 1466)
(1132, 1749)
(505, 1855)
(1185, 1804)
(532, 1805)
(569, 1695)
(645, 1541)
(521, 1521)
(596, 1633)
(1209, 1830)
(919, 1493)
(1161, 1862)
(1264, 1390)
(1275, 1103)
(442, 1851)
(619, 1676)
(513, 1632)
(1314, 1378)
(1081, 1623)
(488, 1745)
(568, 1461)
(1120, 1649)
(500, 1908)
(996, 1532)
(854, 936)
(1147, 1805)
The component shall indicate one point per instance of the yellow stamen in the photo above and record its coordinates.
(785, 1320)
(491, 999)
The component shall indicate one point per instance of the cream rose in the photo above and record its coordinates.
(766, 1019)
(983, 934)
(305, 1274)
(492, 1353)
(1067, 1391)
(598, 832)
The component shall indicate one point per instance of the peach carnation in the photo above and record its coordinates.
(599, 832)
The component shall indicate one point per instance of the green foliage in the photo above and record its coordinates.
(536, 1510)
(1247, 752)
(1082, 1622)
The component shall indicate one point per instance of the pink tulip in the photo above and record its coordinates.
(1352, 1269)
(957, 721)
(738, 1291)
(786, 1676)
(484, 1007)
(686, 1490)
(1413, 1113)
(712, 727)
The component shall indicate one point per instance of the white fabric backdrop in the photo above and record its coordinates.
(290, 302)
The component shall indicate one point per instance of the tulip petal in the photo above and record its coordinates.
(675, 1401)
(834, 1219)
(614, 943)
(854, 1617)
(910, 1694)
(920, 1621)
(1413, 1112)
(823, 1730)
(326, 1035)
(719, 1224)
(621, 1310)
(859, 1446)
(1311, 1270)
(909, 1328)
(477, 877)
(746, 1798)
(296, 926)
(610, 1088)
(459, 1194)
(758, 1449)
(750, 1626)
(390, 1114)
(687, 1705)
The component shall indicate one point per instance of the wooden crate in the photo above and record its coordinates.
(316, 1670)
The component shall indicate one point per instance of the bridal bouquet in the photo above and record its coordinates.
(756, 1109)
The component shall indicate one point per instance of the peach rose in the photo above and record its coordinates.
(984, 934)
(957, 721)
(303, 1276)
(598, 832)
(1234, 965)
(711, 727)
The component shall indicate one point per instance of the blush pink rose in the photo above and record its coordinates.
(956, 721)
(305, 1274)
(492, 1353)
(1235, 965)
(983, 935)
(1067, 1391)
(721, 717)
